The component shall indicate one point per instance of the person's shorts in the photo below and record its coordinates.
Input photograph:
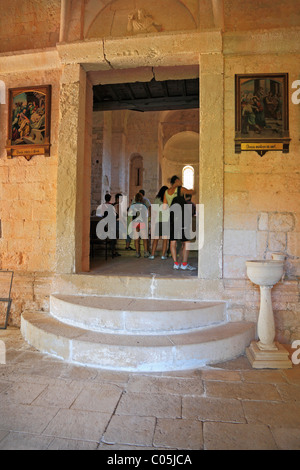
(138, 226)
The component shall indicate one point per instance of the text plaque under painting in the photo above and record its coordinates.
(261, 146)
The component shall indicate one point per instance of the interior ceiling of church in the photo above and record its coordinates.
(148, 96)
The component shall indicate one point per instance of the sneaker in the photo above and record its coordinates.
(187, 267)
(176, 266)
(146, 254)
(164, 257)
(151, 257)
(138, 255)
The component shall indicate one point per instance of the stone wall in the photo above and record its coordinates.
(261, 194)
(28, 191)
(33, 24)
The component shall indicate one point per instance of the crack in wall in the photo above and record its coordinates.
(105, 58)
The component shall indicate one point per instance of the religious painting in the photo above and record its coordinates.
(261, 113)
(29, 122)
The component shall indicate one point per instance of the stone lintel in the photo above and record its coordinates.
(45, 59)
(165, 49)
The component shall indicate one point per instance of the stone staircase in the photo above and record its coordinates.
(136, 334)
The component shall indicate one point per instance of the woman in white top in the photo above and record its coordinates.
(138, 212)
(177, 190)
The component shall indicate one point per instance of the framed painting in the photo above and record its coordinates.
(29, 121)
(261, 113)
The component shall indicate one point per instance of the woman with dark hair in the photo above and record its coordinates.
(138, 211)
(174, 195)
(159, 219)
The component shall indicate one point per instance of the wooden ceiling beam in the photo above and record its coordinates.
(152, 104)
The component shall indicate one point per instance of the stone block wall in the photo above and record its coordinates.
(257, 222)
(28, 191)
(243, 302)
(32, 24)
(261, 194)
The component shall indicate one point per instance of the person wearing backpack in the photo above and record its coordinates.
(175, 196)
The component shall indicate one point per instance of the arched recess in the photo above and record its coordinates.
(114, 18)
(181, 150)
(135, 174)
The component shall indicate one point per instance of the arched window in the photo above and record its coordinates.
(188, 177)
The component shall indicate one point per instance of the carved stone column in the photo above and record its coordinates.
(64, 17)
(73, 177)
(211, 164)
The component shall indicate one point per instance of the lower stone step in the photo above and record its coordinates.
(137, 353)
(125, 315)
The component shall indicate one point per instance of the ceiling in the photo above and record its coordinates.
(147, 96)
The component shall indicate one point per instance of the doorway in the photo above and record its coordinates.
(144, 133)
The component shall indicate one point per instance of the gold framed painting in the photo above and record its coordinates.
(29, 121)
(261, 113)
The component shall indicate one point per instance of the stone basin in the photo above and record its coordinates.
(265, 272)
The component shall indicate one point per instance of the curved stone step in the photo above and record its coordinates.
(140, 353)
(124, 315)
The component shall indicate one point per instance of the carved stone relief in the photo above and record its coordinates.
(130, 17)
(140, 21)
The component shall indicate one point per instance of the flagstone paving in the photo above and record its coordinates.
(48, 404)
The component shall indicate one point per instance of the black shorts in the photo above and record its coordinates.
(178, 231)
(161, 229)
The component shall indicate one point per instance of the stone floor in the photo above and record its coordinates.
(48, 404)
(127, 264)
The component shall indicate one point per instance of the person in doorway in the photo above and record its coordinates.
(103, 208)
(139, 213)
(159, 219)
(174, 195)
(121, 227)
(148, 205)
(102, 211)
(145, 199)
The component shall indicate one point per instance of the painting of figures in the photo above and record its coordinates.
(261, 108)
(29, 119)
